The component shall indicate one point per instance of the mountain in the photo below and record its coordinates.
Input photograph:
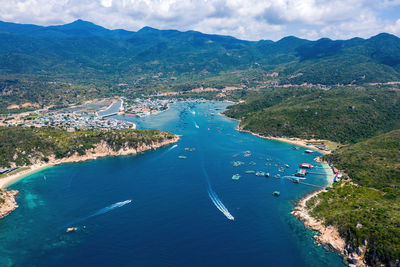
(82, 53)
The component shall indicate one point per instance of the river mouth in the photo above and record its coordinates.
(177, 205)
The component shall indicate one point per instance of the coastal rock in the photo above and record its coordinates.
(8, 202)
(327, 234)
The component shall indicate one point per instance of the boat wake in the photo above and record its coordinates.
(102, 211)
(110, 208)
(172, 147)
(216, 200)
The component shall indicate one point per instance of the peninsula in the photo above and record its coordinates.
(25, 150)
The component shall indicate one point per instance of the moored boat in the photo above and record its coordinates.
(276, 193)
(236, 177)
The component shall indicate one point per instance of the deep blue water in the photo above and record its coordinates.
(171, 219)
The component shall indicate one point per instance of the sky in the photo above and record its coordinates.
(244, 19)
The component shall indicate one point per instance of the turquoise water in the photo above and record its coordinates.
(154, 209)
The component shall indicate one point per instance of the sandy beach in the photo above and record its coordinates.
(6, 181)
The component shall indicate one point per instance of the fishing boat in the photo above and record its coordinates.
(71, 229)
(236, 177)
(276, 193)
(260, 173)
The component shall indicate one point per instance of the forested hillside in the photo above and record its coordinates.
(96, 61)
(368, 212)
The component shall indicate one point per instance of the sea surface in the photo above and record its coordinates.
(155, 209)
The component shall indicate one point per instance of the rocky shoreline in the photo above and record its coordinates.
(100, 150)
(328, 235)
(9, 204)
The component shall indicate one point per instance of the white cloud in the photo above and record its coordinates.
(395, 28)
(246, 19)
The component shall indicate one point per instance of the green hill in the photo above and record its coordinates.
(345, 115)
(22, 146)
(370, 209)
(84, 54)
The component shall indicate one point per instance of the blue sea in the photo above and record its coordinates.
(155, 209)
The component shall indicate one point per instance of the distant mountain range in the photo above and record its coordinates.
(84, 51)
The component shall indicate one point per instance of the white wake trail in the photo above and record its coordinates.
(109, 208)
(215, 199)
(217, 202)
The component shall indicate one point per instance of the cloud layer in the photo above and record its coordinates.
(245, 19)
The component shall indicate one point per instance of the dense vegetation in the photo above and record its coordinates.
(369, 210)
(23, 145)
(84, 59)
(344, 115)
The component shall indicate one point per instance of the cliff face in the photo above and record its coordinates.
(8, 202)
(103, 150)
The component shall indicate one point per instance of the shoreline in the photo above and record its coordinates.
(101, 150)
(290, 140)
(328, 235)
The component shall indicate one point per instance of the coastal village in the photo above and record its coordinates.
(87, 116)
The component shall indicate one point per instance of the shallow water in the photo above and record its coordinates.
(178, 209)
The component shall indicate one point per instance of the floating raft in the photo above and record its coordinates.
(236, 177)
(237, 163)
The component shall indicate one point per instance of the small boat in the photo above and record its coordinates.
(247, 153)
(236, 177)
(276, 193)
(249, 171)
(182, 157)
(267, 174)
(295, 148)
(295, 180)
(252, 163)
(309, 151)
(277, 176)
(267, 164)
(237, 163)
(260, 173)
(300, 173)
(287, 166)
(71, 229)
(281, 169)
